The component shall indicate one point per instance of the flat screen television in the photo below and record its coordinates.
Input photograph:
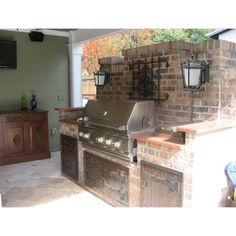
(8, 54)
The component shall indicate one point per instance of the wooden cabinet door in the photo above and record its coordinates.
(16, 138)
(69, 156)
(93, 167)
(107, 178)
(37, 136)
(116, 181)
(161, 187)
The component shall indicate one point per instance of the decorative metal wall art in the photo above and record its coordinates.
(144, 75)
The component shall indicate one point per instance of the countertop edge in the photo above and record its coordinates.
(206, 126)
(155, 140)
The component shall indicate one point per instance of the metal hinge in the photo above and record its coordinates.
(173, 184)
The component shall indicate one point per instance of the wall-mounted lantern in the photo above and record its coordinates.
(101, 78)
(195, 73)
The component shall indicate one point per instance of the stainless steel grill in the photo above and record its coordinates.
(108, 126)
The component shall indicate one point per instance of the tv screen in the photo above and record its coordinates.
(7, 54)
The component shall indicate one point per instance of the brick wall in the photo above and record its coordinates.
(211, 101)
(69, 113)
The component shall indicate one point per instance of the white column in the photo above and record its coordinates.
(76, 54)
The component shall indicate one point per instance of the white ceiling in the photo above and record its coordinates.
(77, 36)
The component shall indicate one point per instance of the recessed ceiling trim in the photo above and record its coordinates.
(45, 31)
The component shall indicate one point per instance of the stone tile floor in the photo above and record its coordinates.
(40, 184)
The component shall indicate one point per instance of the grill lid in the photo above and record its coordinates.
(120, 115)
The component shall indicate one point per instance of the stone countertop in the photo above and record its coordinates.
(162, 139)
(206, 126)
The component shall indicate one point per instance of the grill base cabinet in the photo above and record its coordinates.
(23, 136)
(106, 179)
(160, 187)
(69, 156)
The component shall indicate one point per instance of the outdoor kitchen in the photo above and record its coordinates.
(150, 139)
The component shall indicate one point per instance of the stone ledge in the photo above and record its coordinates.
(206, 126)
(161, 139)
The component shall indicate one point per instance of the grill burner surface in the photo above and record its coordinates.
(108, 126)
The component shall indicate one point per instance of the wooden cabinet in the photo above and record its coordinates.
(69, 156)
(161, 187)
(107, 178)
(23, 136)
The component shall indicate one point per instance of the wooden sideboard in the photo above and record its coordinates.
(23, 136)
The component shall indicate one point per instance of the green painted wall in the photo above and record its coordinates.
(43, 68)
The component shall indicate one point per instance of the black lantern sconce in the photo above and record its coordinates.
(195, 73)
(101, 78)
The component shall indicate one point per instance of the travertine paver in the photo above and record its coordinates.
(39, 183)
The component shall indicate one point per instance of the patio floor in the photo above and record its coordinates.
(40, 184)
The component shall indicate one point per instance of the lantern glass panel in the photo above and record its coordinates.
(192, 76)
(99, 79)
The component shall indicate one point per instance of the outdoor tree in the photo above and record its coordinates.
(113, 45)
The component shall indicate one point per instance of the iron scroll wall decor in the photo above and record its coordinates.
(144, 75)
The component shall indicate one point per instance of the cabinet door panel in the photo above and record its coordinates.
(69, 156)
(116, 181)
(161, 187)
(36, 133)
(16, 138)
(94, 172)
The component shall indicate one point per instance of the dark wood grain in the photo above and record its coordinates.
(69, 156)
(160, 187)
(107, 179)
(23, 137)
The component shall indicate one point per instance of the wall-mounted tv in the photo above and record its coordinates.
(8, 54)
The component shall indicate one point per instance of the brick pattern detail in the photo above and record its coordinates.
(212, 100)
(67, 113)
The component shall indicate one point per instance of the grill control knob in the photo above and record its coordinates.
(117, 144)
(100, 139)
(81, 134)
(87, 136)
(108, 141)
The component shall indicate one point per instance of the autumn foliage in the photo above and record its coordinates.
(113, 45)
